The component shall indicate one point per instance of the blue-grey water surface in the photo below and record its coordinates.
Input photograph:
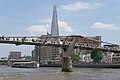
(53, 73)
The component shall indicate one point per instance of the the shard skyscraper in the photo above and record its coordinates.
(54, 25)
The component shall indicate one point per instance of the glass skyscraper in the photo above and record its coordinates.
(54, 25)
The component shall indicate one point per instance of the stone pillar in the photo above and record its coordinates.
(67, 64)
(67, 61)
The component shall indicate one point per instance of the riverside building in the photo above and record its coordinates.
(15, 55)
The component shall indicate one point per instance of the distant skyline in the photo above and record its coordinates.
(81, 17)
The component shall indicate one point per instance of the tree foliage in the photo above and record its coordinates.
(75, 57)
(96, 55)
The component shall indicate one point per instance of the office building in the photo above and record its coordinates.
(15, 55)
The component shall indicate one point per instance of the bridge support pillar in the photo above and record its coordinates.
(67, 64)
(67, 61)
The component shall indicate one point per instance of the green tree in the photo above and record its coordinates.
(96, 55)
(75, 57)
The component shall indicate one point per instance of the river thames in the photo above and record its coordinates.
(54, 73)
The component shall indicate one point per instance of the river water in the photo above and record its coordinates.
(53, 73)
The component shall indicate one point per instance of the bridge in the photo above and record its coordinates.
(67, 43)
(42, 41)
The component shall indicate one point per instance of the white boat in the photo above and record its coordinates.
(31, 64)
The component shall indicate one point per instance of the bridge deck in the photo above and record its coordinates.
(22, 41)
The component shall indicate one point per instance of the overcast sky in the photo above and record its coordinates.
(83, 17)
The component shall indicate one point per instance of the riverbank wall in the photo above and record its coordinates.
(86, 65)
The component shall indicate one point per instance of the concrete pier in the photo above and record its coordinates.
(67, 61)
(67, 65)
